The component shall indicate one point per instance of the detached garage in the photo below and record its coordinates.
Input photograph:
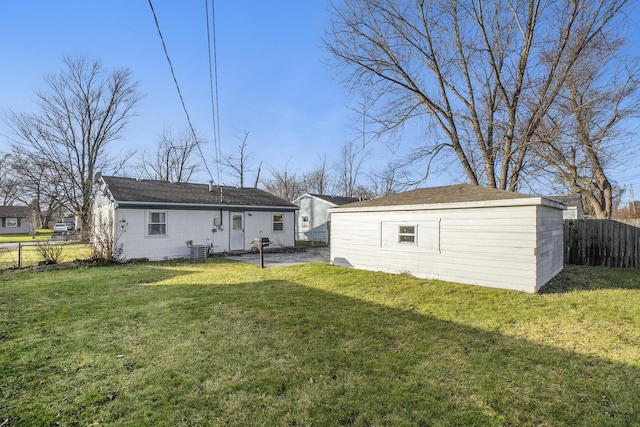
(459, 233)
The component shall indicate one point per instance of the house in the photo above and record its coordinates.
(163, 220)
(573, 203)
(459, 233)
(313, 217)
(15, 219)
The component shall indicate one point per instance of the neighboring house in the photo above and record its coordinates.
(573, 203)
(15, 219)
(162, 220)
(313, 217)
(459, 233)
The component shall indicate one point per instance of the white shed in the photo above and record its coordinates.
(313, 217)
(162, 220)
(572, 203)
(459, 233)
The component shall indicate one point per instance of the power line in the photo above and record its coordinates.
(175, 80)
(213, 76)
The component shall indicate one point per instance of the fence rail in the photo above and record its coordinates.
(606, 243)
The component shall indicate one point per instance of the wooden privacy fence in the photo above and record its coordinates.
(599, 242)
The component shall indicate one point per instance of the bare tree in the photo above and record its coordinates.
(391, 180)
(84, 109)
(257, 180)
(349, 166)
(172, 159)
(318, 180)
(238, 163)
(284, 184)
(39, 186)
(481, 75)
(582, 135)
(9, 189)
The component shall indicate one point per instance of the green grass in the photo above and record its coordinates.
(310, 243)
(29, 255)
(41, 234)
(226, 343)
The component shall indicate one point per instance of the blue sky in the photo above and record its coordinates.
(273, 82)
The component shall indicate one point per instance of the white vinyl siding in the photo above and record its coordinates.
(489, 246)
(316, 212)
(550, 248)
(195, 226)
(410, 235)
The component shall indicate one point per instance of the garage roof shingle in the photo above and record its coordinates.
(435, 195)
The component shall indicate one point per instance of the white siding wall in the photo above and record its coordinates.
(195, 226)
(570, 213)
(260, 224)
(318, 212)
(101, 217)
(550, 256)
(491, 246)
(182, 226)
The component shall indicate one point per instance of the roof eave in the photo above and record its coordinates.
(529, 201)
(140, 205)
(315, 197)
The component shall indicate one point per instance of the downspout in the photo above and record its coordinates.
(229, 231)
(295, 226)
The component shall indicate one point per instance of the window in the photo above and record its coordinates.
(237, 222)
(12, 222)
(278, 222)
(157, 225)
(305, 221)
(407, 234)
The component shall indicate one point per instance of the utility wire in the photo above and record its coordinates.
(175, 80)
(215, 108)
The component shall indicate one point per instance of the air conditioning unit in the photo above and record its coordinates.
(199, 252)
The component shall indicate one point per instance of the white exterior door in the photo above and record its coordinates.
(237, 232)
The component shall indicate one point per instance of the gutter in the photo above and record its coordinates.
(200, 206)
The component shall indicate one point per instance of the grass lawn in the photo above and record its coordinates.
(41, 234)
(31, 257)
(226, 343)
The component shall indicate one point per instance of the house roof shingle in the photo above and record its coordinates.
(15, 211)
(570, 200)
(151, 191)
(336, 200)
(435, 195)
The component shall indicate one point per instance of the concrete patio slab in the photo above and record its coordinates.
(274, 259)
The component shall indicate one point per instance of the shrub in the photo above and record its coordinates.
(51, 253)
(105, 243)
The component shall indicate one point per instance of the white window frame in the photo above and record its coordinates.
(11, 222)
(149, 223)
(305, 221)
(426, 235)
(274, 222)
